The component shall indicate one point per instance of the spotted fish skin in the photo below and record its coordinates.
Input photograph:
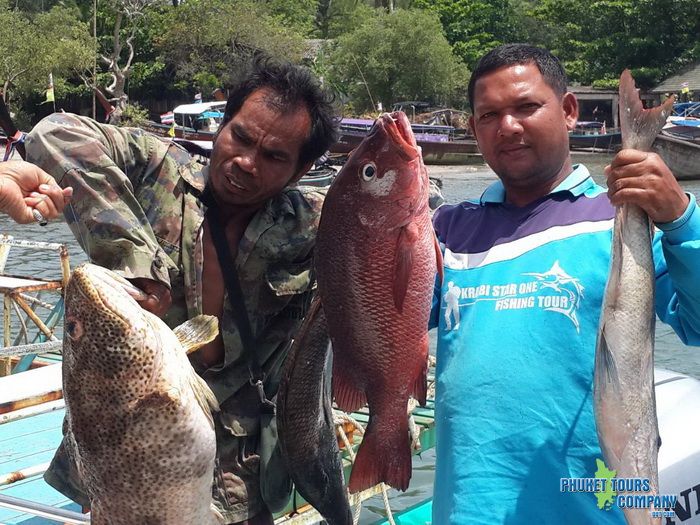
(138, 419)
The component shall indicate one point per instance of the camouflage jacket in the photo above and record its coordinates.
(136, 210)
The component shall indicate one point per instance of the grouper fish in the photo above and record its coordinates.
(625, 406)
(305, 421)
(138, 418)
(376, 260)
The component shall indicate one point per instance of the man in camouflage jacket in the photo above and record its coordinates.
(137, 208)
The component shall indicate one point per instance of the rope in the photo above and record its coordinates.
(385, 497)
(339, 419)
(17, 138)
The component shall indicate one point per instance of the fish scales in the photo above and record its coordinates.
(138, 419)
(625, 406)
(305, 421)
(376, 261)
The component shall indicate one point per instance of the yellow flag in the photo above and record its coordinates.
(171, 131)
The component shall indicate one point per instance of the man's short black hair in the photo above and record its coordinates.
(293, 86)
(512, 54)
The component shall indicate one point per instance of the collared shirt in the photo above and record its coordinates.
(577, 183)
(517, 315)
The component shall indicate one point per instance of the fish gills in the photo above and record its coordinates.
(625, 406)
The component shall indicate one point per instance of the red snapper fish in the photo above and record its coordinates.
(376, 262)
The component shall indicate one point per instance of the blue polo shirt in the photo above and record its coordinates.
(517, 315)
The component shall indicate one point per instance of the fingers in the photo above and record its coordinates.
(156, 296)
(643, 179)
(26, 189)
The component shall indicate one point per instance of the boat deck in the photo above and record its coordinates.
(30, 442)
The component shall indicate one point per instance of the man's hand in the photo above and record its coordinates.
(642, 178)
(24, 186)
(157, 298)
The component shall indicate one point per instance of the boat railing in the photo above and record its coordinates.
(22, 296)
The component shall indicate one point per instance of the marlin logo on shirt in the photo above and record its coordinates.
(558, 280)
(553, 290)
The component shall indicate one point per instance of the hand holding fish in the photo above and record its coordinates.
(156, 296)
(641, 178)
(25, 187)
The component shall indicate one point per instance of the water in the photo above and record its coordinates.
(459, 183)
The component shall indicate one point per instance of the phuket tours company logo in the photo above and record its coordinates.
(630, 493)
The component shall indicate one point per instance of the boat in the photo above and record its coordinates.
(678, 144)
(594, 136)
(195, 122)
(677, 398)
(439, 144)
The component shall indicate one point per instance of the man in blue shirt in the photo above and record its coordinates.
(525, 268)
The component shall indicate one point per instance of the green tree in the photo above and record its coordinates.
(218, 37)
(473, 27)
(55, 42)
(597, 39)
(394, 56)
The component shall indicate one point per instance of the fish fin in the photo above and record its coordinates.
(218, 518)
(384, 456)
(420, 388)
(204, 396)
(640, 126)
(328, 386)
(403, 263)
(605, 361)
(196, 332)
(347, 396)
(658, 442)
(438, 259)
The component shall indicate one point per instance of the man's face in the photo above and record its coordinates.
(522, 126)
(256, 153)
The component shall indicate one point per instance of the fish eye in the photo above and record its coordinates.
(368, 171)
(74, 329)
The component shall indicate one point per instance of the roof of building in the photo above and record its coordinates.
(675, 83)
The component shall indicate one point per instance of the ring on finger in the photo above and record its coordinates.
(39, 217)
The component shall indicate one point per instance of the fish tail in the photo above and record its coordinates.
(347, 396)
(639, 126)
(384, 456)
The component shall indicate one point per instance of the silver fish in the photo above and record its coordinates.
(138, 418)
(625, 405)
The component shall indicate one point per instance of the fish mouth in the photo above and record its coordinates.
(398, 127)
(100, 286)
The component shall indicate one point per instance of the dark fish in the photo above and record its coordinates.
(305, 421)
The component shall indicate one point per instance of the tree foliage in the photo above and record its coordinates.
(205, 38)
(473, 27)
(55, 41)
(397, 56)
(406, 49)
(597, 39)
